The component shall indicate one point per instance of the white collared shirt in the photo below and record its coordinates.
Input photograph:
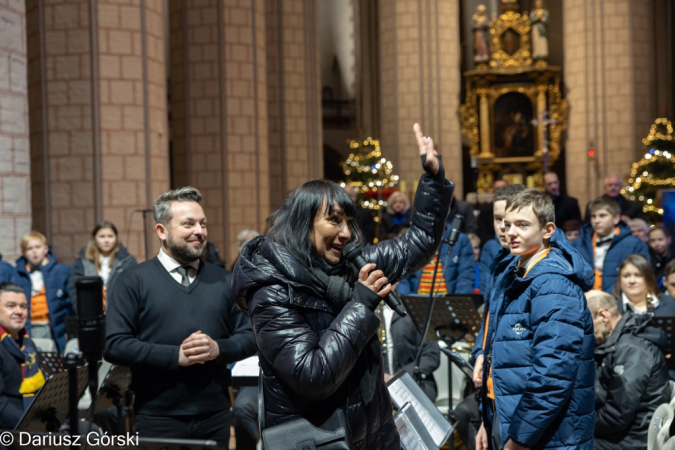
(532, 260)
(629, 306)
(171, 265)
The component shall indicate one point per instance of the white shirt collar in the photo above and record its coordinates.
(171, 264)
(532, 260)
(628, 305)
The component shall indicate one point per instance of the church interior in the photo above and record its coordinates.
(106, 104)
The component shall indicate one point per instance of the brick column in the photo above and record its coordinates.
(219, 113)
(609, 75)
(420, 72)
(98, 118)
(294, 92)
(15, 214)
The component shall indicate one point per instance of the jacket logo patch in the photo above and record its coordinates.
(455, 259)
(59, 293)
(519, 329)
(618, 369)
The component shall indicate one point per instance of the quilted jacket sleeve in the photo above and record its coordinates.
(409, 252)
(558, 311)
(312, 365)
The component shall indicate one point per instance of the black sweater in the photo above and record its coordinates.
(149, 316)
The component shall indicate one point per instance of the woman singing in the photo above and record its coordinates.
(312, 311)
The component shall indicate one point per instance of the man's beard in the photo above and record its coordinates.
(183, 251)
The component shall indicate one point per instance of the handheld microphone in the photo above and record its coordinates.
(454, 230)
(354, 256)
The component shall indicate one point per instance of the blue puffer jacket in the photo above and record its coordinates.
(56, 288)
(622, 245)
(491, 279)
(540, 342)
(458, 268)
(8, 272)
(487, 257)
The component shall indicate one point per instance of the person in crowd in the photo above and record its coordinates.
(212, 255)
(612, 187)
(606, 241)
(364, 217)
(660, 251)
(631, 378)
(396, 217)
(539, 338)
(475, 246)
(20, 373)
(572, 229)
(45, 283)
(245, 408)
(8, 272)
(103, 256)
(172, 320)
(637, 290)
(485, 229)
(466, 211)
(313, 312)
(456, 265)
(668, 283)
(405, 341)
(566, 208)
(640, 229)
(497, 248)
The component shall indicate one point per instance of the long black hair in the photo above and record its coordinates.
(291, 223)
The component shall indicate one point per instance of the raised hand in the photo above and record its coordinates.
(426, 147)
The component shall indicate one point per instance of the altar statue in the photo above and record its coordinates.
(539, 20)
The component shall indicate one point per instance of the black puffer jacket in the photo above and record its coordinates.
(311, 351)
(631, 382)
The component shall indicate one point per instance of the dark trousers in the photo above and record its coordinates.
(212, 426)
(468, 420)
(245, 418)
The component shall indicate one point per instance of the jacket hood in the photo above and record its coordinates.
(639, 325)
(262, 262)
(121, 253)
(563, 259)
(624, 231)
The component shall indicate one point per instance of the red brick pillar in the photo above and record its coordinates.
(294, 92)
(609, 75)
(15, 213)
(419, 54)
(219, 113)
(98, 131)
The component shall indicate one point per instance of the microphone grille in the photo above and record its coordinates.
(351, 251)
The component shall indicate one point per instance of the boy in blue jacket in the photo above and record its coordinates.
(539, 371)
(606, 241)
(45, 282)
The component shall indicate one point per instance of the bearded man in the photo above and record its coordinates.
(173, 322)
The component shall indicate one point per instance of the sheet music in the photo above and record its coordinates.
(404, 390)
(411, 430)
(246, 367)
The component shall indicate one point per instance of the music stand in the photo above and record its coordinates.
(50, 363)
(667, 324)
(454, 317)
(49, 408)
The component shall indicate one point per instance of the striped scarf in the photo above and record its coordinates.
(26, 355)
(440, 288)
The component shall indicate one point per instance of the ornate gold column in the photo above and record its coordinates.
(484, 108)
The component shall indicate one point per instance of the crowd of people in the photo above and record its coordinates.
(567, 355)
